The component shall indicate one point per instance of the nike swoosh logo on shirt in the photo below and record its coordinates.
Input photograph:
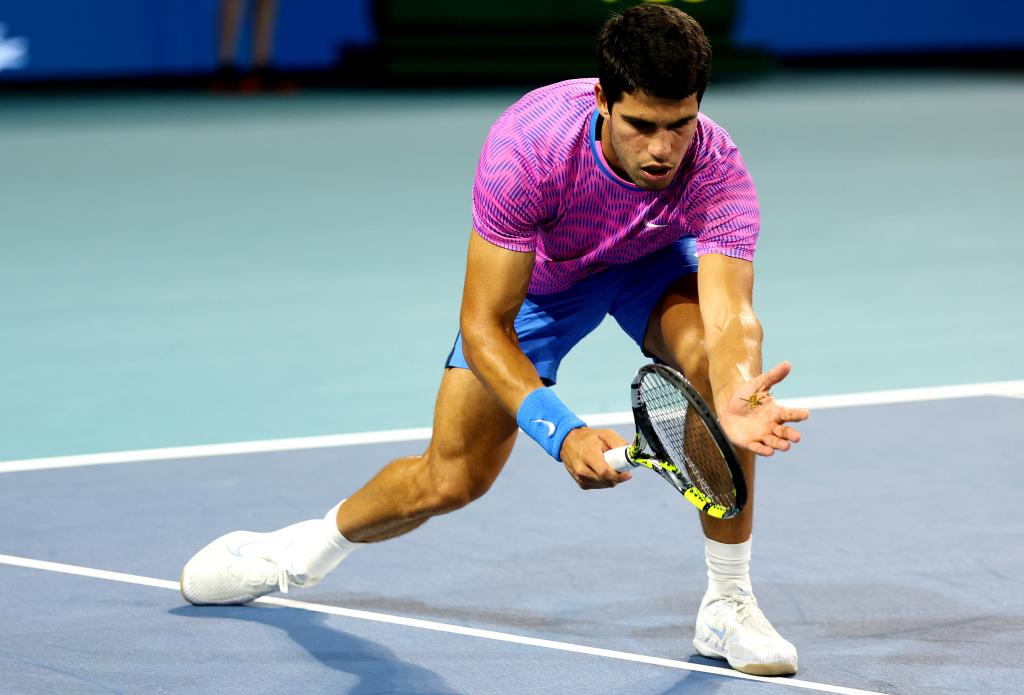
(551, 426)
(653, 225)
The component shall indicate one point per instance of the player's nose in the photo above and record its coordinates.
(660, 147)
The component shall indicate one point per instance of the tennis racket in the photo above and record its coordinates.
(679, 438)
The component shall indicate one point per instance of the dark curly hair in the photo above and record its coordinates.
(656, 49)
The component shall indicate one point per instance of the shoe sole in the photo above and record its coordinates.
(181, 590)
(777, 669)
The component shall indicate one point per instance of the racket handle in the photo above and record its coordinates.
(616, 458)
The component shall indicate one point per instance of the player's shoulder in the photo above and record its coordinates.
(571, 96)
(714, 139)
(550, 120)
(714, 144)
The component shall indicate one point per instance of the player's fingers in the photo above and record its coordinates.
(785, 432)
(777, 443)
(586, 481)
(760, 449)
(773, 376)
(612, 475)
(608, 475)
(601, 467)
(612, 439)
(589, 479)
(794, 414)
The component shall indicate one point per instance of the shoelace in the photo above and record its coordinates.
(746, 609)
(282, 580)
(286, 575)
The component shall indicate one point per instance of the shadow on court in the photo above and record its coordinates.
(695, 682)
(378, 669)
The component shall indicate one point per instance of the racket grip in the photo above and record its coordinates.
(616, 458)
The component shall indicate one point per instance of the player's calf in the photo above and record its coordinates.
(455, 481)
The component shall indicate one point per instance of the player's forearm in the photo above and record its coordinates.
(733, 345)
(494, 355)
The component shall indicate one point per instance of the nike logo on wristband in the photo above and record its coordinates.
(551, 426)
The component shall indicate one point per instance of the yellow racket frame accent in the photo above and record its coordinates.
(697, 498)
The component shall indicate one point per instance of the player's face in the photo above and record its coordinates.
(645, 138)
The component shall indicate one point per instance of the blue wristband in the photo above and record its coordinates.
(545, 418)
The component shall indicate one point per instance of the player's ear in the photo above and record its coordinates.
(602, 101)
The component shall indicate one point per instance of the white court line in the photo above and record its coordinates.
(933, 393)
(439, 627)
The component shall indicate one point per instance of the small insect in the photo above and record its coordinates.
(757, 399)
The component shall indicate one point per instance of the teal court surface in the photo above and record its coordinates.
(210, 289)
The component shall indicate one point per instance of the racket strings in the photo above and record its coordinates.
(685, 438)
(704, 458)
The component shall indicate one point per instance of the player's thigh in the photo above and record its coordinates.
(675, 332)
(472, 438)
(660, 310)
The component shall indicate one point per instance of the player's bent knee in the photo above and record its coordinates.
(450, 494)
(696, 365)
(452, 485)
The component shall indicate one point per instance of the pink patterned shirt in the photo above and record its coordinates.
(543, 185)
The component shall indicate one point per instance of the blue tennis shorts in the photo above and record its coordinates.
(550, 325)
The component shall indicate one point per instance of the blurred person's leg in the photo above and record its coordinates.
(227, 76)
(263, 33)
(230, 24)
(264, 78)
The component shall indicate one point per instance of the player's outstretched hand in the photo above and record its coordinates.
(583, 456)
(754, 420)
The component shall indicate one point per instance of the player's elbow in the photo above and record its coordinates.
(479, 333)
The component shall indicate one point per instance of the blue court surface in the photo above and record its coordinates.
(886, 547)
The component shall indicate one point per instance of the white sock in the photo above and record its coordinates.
(320, 549)
(728, 567)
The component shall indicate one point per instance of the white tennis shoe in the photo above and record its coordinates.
(241, 566)
(734, 628)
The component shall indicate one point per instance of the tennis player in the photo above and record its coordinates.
(616, 196)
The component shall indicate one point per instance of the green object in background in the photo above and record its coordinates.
(711, 13)
(534, 41)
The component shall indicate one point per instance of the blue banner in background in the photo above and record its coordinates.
(123, 38)
(792, 28)
(60, 39)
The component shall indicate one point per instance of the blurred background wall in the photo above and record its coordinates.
(360, 40)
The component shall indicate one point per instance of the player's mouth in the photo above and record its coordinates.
(656, 173)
